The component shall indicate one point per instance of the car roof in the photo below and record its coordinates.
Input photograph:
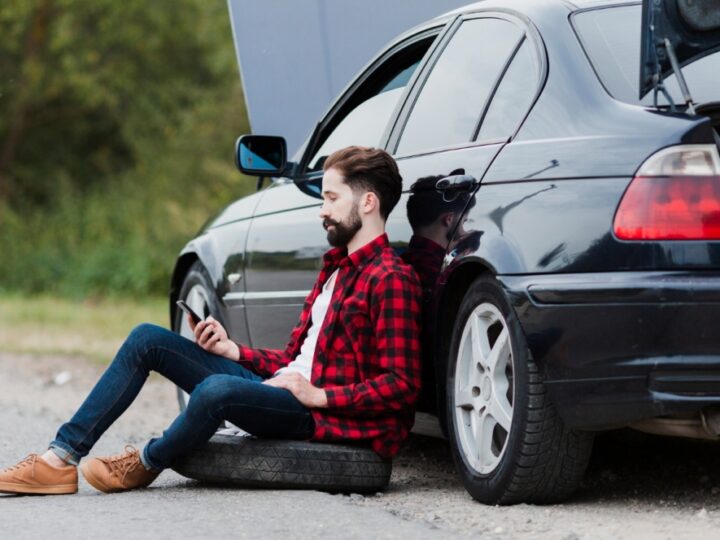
(572, 5)
(583, 4)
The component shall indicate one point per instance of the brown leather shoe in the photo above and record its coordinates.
(34, 475)
(117, 473)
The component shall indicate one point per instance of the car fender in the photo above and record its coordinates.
(203, 249)
(494, 254)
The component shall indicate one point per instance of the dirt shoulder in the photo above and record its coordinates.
(637, 486)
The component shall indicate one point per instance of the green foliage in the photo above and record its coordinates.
(117, 123)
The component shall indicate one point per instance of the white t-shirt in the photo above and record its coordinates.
(303, 361)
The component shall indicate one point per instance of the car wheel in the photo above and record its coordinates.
(508, 443)
(273, 463)
(197, 293)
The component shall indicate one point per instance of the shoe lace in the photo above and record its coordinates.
(29, 461)
(124, 463)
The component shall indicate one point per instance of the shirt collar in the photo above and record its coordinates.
(425, 244)
(338, 256)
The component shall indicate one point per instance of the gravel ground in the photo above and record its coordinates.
(637, 486)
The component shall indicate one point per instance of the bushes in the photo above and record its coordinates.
(80, 246)
(120, 241)
(117, 125)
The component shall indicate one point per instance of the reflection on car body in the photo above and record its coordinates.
(437, 218)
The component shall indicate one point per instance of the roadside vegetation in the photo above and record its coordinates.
(117, 124)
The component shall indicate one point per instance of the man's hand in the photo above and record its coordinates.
(212, 337)
(307, 394)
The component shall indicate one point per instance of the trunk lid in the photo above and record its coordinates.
(690, 27)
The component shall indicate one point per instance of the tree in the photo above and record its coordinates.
(87, 85)
(113, 116)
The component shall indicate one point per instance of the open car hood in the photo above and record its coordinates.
(692, 28)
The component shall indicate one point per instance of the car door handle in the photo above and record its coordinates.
(456, 182)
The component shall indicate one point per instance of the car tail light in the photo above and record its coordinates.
(675, 195)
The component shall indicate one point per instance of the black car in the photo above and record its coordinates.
(579, 286)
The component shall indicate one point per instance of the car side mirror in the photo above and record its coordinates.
(261, 155)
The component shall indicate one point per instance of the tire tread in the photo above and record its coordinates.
(553, 458)
(271, 463)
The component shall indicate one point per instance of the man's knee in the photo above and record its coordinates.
(143, 338)
(145, 332)
(214, 392)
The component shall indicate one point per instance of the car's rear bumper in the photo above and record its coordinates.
(621, 347)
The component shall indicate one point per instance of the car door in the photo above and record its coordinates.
(474, 94)
(285, 240)
(443, 127)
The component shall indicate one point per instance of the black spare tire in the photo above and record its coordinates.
(273, 463)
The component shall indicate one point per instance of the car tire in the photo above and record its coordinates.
(197, 292)
(285, 464)
(508, 442)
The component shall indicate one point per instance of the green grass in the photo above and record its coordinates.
(92, 329)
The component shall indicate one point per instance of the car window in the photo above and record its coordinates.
(365, 116)
(611, 39)
(513, 96)
(450, 103)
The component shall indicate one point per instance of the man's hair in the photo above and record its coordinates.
(426, 203)
(369, 169)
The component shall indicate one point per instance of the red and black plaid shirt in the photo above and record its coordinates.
(367, 357)
(426, 258)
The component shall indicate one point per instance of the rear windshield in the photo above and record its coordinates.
(611, 38)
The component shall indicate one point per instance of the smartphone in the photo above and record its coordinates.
(187, 309)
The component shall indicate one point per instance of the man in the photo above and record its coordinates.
(351, 370)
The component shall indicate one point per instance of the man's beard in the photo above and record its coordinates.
(345, 230)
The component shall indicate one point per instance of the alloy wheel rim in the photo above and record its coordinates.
(484, 392)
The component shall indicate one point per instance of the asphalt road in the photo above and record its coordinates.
(636, 487)
(178, 508)
(31, 408)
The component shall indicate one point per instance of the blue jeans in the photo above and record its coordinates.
(219, 389)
